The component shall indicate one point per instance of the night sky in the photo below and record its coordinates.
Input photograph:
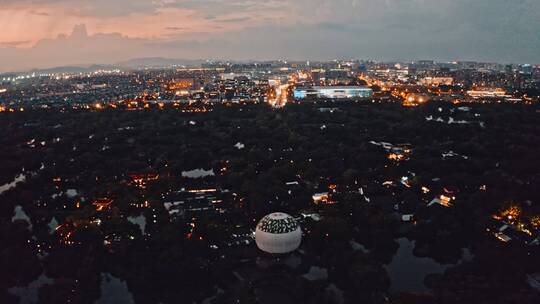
(46, 33)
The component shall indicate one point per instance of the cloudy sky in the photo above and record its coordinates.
(45, 33)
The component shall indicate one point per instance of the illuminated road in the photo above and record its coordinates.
(281, 96)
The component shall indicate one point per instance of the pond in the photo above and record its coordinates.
(198, 173)
(53, 224)
(139, 221)
(29, 294)
(21, 215)
(114, 290)
(408, 271)
(18, 179)
(21, 178)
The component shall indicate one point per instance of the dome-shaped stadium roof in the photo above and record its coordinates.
(278, 233)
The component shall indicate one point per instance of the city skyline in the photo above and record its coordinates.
(48, 33)
(277, 151)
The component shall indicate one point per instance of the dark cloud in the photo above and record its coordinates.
(43, 14)
(114, 8)
(233, 20)
(94, 8)
(213, 8)
(177, 28)
(13, 43)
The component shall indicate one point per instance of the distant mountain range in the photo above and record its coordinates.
(136, 63)
(157, 62)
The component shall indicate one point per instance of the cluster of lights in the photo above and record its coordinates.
(513, 217)
(510, 213)
(396, 157)
(102, 203)
(277, 226)
(11, 110)
(446, 200)
(141, 180)
(413, 100)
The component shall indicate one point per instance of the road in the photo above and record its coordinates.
(281, 98)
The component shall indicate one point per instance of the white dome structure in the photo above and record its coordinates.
(278, 233)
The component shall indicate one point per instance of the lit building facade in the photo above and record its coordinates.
(333, 92)
(487, 92)
(436, 81)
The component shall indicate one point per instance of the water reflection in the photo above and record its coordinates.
(29, 294)
(53, 224)
(21, 215)
(114, 290)
(408, 271)
(18, 179)
(198, 173)
(139, 221)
